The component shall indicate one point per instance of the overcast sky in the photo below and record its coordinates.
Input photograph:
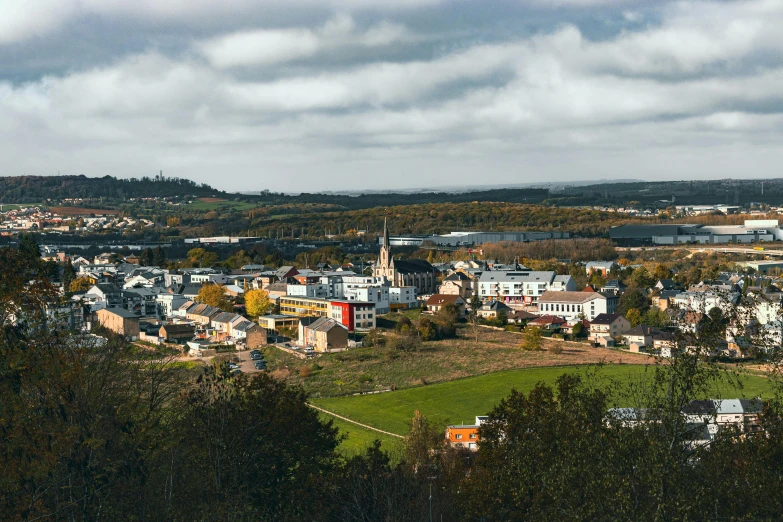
(305, 95)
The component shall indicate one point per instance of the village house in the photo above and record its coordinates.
(465, 436)
(601, 267)
(459, 284)
(605, 328)
(177, 333)
(436, 302)
(323, 334)
(547, 322)
(522, 286)
(490, 309)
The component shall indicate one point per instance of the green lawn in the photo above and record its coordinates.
(461, 400)
(358, 438)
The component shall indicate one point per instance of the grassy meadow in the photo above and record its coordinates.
(461, 400)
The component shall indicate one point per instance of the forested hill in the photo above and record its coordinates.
(34, 189)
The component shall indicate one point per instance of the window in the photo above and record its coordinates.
(472, 435)
(458, 436)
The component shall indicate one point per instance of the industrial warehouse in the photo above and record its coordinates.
(753, 231)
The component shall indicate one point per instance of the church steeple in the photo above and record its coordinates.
(385, 234)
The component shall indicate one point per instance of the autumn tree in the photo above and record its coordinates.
(80, 284)
(257, 302)
(634, 316)
(214, 295)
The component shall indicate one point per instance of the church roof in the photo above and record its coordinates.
(413, 266)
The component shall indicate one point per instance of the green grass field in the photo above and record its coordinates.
(461, 400)
(358, 438)
(17, 206)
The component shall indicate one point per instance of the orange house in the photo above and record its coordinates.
(464, 435)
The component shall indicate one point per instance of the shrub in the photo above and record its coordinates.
(556, 349)
(305, 372)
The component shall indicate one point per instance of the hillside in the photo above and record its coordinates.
(30, 189)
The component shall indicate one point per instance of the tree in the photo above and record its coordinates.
(632, 298)
(146, 257)
(68, 274)
(662, 272)
(531, 338)
(257, 302)
(159, 257)
(214, 295)
(28, 247)
(80, 284)
(641, 278)
(634, 316)
(656, 317)
(427, 330)
(475, 306)
(404, 325)
(579, 329)
(422, 439)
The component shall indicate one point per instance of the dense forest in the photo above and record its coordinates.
(35, 189)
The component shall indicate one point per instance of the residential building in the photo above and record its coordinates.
(323, 334)
(576, 305)
(490, 309)
(465, 436)
(600, 267)
(120, 321)
(354, 315)
(438, 301)
(177, 333)
(402, 297)
(459, 284)
(523, 286)
(547, 322)
(606, 327)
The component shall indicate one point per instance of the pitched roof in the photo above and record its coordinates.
(553, 296)
(642, 330)
(605, 318)
(413, 266)
(457, 276)
(442, 299)
(324, 324)
(547, 319)
(179, 329)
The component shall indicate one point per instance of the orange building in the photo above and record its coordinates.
(464, 435)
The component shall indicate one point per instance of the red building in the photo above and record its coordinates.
(353, 314)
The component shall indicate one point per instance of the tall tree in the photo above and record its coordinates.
(257, 302)
(214, 295)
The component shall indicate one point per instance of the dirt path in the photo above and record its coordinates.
(346, 419)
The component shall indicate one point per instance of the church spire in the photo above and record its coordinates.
(385, 234)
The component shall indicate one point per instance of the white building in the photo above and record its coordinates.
(308, 290)
(574, 305)
(522, 286)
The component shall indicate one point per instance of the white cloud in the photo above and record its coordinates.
(270, 46)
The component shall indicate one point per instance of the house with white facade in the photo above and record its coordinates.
(574, 305)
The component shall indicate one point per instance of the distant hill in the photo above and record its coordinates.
(33, 189)
(661, 193)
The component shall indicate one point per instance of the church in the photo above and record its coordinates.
(404, 272)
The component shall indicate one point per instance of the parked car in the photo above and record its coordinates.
(260, 365)
(256, 357)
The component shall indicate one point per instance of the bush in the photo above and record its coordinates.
(556, 349)
(305, 372)
(404, 343)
